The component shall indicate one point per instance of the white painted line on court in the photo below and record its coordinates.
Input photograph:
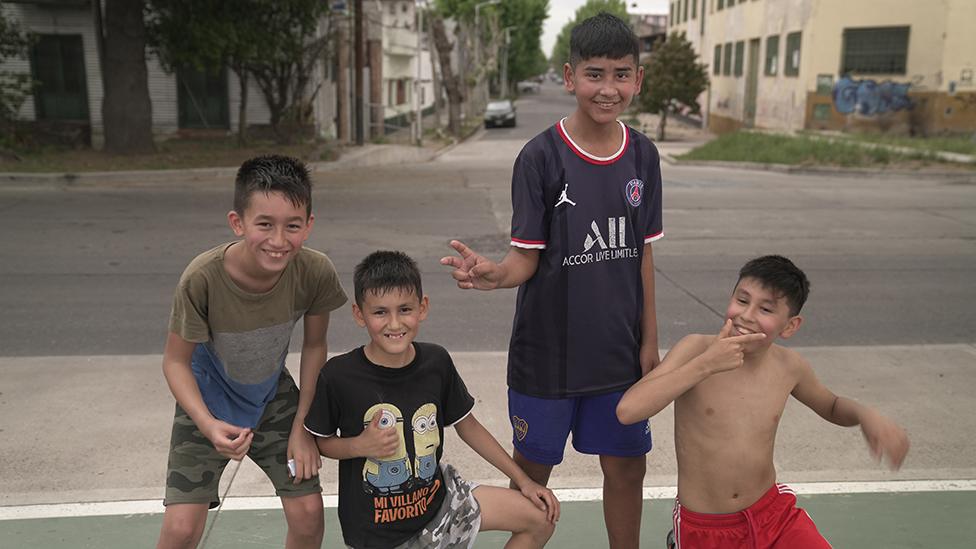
(155, 506)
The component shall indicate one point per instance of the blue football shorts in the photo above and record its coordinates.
(540, 427)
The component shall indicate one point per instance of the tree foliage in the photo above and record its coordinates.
(277, 42)
(523, 18)
(14, 86)
(525, 56)
(560, 50)
(673, 78)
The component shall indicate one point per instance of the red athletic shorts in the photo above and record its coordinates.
(774, 522)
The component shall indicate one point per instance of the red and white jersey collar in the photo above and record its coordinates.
(592, 158)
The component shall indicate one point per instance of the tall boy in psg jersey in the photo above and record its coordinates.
(586, 197)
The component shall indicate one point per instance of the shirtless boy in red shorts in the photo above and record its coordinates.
(729, 393)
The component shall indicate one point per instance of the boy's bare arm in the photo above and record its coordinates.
(650, 356)
(374, 442)
(885, 438)
(229, 440)
(474, 434)
(474, 271)
(693, 359)
(315, 351)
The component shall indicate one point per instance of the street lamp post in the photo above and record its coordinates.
(504, 71)
(477, 41)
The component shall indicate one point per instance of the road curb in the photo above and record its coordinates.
(476, 131)
(360, 157)
(821, 170)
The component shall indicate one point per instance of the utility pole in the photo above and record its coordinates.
(418, 84)
(477, 48)
(358, 37)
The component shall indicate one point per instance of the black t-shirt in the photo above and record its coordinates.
(577, 320)
(384, 502)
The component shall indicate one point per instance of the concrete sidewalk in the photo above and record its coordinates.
(96, 429)
(93, 434)
(352, 157)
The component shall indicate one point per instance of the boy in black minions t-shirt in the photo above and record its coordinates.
(381, 410)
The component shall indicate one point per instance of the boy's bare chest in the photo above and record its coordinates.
(739, 403)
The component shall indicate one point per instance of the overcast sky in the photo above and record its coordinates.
(562, 11)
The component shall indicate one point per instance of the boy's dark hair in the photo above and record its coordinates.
(603, 35)
(384, 271)
(779, 274)
(273, 173)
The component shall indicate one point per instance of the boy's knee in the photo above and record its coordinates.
(181, 530)
(630, 469)
(542, 529)
(305, 516)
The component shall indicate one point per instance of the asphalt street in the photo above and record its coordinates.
(89, 270)
(87, 273)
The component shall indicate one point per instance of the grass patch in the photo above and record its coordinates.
(172, 154)
(803, 151)
(956, 144)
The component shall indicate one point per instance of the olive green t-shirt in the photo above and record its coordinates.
(243, 337)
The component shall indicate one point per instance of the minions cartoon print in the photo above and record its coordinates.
(388, 474)
(426, 440)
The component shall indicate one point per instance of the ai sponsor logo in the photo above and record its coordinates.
(615, 226)
(596, 248)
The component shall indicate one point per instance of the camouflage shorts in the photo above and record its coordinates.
(456, 523)
(193, 473)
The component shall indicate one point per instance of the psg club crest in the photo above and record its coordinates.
(635, 192)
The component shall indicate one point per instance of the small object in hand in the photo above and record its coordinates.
(291, 467)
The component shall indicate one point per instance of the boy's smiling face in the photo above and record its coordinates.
(755, 308)
(603, 87)
(392, 318)
(273, 230)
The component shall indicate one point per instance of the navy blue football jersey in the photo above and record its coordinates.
(577, 320)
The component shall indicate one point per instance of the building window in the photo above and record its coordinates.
(671, 18)
(58, 65)
(694, 10)
(729, 3)
(878, 50)
(720, 4)
(792, 67)
(201, 98)
(717, 62)
(772, 55)
(727, 62)
(686, 9)
(740, 53)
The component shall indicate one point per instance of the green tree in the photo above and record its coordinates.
(126, 107)
(276, 42)
(524, 18)
(560, 50)
(206, 35)
(450, 80)
(295, 35)
(673, 78)
(14, 86)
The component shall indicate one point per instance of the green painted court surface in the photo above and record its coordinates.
(943, 520)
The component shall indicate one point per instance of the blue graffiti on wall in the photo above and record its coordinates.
(869, 98)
